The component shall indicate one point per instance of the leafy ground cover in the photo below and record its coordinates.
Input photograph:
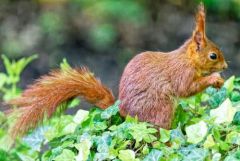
(206, 127)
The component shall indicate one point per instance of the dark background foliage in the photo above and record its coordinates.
(105, 34)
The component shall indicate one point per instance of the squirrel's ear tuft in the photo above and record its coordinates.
(199, 35)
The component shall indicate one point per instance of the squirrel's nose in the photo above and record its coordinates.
(225, 65)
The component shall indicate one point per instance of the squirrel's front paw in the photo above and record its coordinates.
(216, 81)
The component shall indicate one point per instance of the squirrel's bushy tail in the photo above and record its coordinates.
(43, 97)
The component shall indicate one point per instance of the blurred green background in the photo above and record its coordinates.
(105, 34)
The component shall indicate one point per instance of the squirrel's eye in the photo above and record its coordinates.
(213, 56)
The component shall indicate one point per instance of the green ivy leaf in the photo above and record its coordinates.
(81, 116)
(224, 146)
(70, 128)
(122, 131)
(66, 155)
(145, 150)
(224, 113)
(233, 138)
(216, 134)
(24, 157)
(177, 138)
(181, 116)
(193, 153)
(83, 150)
(229, 84)
(3, 155)
(234, 156)
(103, 142)
(127, 155)
(217, 97)
(235, 96)
(141, 132)
(164, 135)
(209, 142)
(110, 111)
(98, 126)
(216, 157)
(57, 124)
(196, 132)
(174, 157)
(154, 155)
(35, 139)
(102, 157)
(236, 119)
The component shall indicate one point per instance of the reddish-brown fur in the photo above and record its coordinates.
(47, 93)
(148, 88)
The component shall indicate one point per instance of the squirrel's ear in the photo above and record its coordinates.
(199, 36)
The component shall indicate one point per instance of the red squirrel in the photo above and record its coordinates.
(148, 88)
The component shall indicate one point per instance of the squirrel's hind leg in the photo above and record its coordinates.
(159, 113)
